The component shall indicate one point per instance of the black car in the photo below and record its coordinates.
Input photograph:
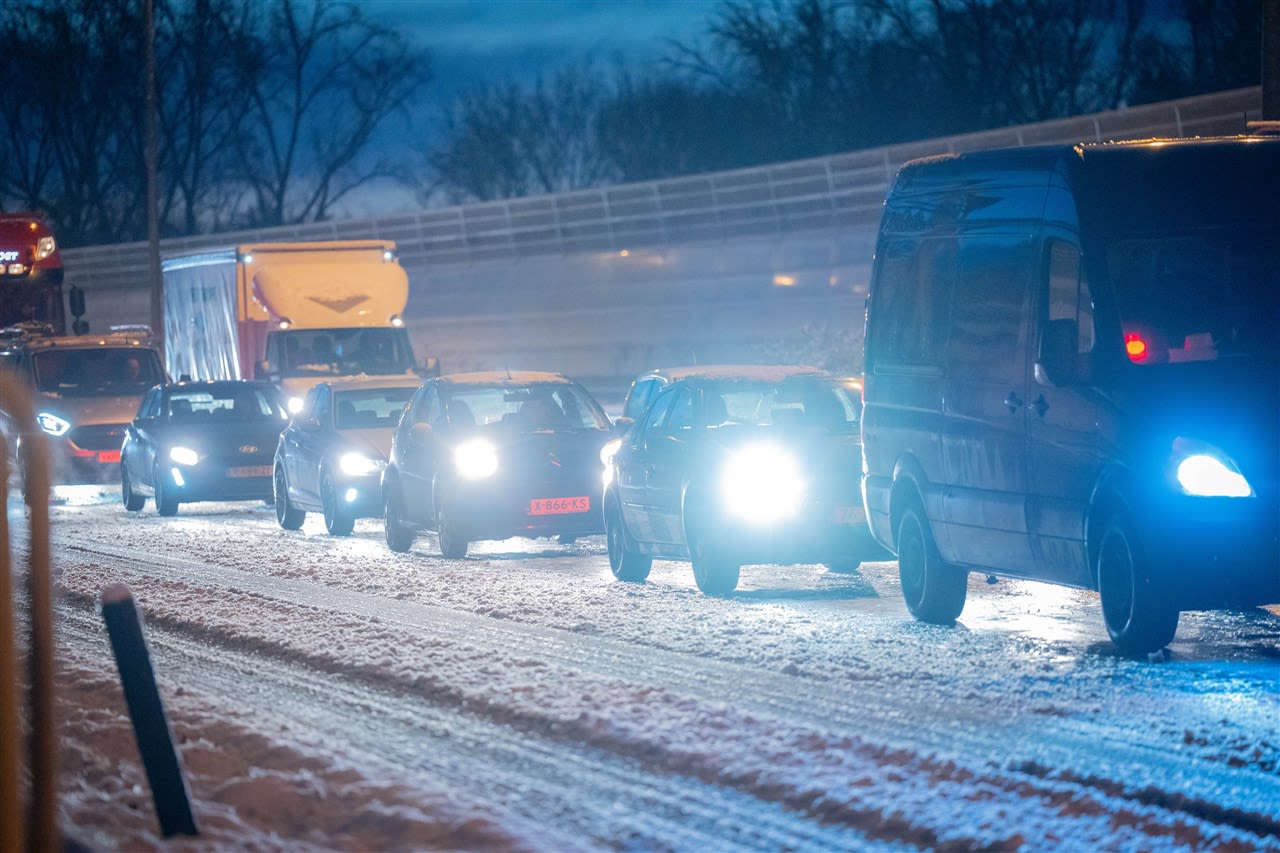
(331, 455)
(495, 455)
(201, 441)
(740, 464)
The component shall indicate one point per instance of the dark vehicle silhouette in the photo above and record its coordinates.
(201, 441)
(495, 455)
(331, 456)
(1073, 375)
(732, 465)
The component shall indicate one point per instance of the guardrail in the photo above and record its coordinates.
(825, 193)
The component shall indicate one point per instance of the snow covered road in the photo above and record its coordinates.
(525, 695)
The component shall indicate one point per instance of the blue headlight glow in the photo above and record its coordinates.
(1210, 475)
(476, 459)
(52, 424)
(761, 483)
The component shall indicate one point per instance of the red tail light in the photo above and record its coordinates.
(1135, 347)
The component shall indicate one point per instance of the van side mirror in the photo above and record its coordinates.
(1059, 362)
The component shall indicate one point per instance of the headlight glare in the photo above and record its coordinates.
(761, 484)
(52, 424)
(184, 455)
(475, 459)
(357, 464)
(1208, 475)
(295, 405)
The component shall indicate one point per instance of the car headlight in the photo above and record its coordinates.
(357, 464)
(761, 483)
(45, 247)
(607, 453)
(1211, 474)
(294, 405)
(184, 455)
(52, 424)
(476, 459)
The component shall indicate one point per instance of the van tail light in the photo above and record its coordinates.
(1135, 347)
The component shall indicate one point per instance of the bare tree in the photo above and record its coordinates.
(504, 140)
(320, 84)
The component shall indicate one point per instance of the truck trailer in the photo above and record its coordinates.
(292, 313)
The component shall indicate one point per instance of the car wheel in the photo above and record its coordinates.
(131, 499)
(714, 571)
(452, 545)
(626, 563)
(289, 516)
(933, 590)
(338, 519)
(166, 501)
(399, 536)
(1138, 616)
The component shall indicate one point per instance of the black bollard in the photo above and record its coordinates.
(150, 727)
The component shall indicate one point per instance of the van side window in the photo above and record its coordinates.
(992, 285)
(915, 300)
(1069, 297)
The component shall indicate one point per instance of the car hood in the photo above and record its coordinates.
(374, 442)
(210, 437)
(90, 410)
(823, 454)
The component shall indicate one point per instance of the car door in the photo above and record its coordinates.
(419, 455)
(138, 451)
(632, 469)
(311, 438)
(667, 454)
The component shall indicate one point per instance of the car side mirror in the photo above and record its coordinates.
(420, 430)
(1059, 363)
(622, 423)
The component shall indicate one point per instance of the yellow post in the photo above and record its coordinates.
(42, 829)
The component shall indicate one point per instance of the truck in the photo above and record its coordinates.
(31, 276)
(291, 313)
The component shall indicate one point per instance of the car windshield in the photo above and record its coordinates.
(537, 407)
(105, 370)
(812, 402)
(371, 408)
(345, 352)
(229, 404)
(1197, 296)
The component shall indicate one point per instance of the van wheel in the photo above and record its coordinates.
(288, 516)
(1137, 613)
(933, 590)
(626, 563)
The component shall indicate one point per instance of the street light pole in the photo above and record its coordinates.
(153, 204)
(1271, 60)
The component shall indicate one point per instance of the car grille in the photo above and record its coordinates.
(98, 436)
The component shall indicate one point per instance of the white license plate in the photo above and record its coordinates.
(251, 471)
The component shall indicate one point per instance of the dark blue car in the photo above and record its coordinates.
(201, 441)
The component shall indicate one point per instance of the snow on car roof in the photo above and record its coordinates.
(356, 384)
(498, 377)
(761, 372)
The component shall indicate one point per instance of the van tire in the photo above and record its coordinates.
(1139, 618)
(934, 591)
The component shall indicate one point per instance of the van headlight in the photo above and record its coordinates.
(475, 459)
(52, 424)
(1205, 471)
(761, 483)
